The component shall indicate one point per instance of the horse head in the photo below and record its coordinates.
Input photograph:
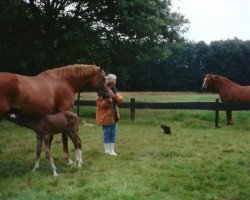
(97, 81)
(207, 81)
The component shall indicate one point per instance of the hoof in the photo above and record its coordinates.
(69, 162)
(35, 168)
(78, 163)
(55, 174)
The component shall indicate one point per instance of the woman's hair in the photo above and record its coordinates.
(111, 78)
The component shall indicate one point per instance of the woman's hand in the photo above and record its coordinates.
(112, 95)
(109, 100)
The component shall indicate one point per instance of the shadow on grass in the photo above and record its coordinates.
(13, 168)
(20, 168)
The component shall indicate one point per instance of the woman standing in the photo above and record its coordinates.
(108, 113)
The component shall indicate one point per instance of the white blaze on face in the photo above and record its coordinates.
(204, 83)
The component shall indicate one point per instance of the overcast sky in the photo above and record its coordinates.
(212, 20)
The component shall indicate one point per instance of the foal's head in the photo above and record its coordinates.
(208, 79)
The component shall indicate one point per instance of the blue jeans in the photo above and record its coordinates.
(109, 133)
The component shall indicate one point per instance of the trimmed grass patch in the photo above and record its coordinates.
(197, 161)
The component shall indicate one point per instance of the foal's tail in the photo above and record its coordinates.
(12, 116)
(17, 117)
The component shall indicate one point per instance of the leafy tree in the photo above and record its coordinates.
(41, 34)
(188, 62)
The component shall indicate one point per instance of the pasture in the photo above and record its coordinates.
(197, 161)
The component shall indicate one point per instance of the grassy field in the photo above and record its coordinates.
(197, 161)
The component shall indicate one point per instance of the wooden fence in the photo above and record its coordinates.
(213, 106)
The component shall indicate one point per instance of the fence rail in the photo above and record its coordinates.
(213, 106)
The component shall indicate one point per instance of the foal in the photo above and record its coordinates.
(45, 127)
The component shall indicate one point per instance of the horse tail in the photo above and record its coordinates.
(9, 92)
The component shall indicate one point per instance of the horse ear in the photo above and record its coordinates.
(208, 74)
(102, 67)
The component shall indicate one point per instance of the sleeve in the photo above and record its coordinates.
(118, 98)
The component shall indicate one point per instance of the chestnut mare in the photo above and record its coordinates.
(229, 91)
(49, 92)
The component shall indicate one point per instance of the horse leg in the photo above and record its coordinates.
(79, 150)
(50, 140)
(47, 140)
(39, 144)
(78, 146)
(66, 149)
(229, 117)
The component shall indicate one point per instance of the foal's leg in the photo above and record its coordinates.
(229, 117)
(66, 149)
(48, 154)
(78, 146)
(50, 141)
(79, 150)
(39, 144)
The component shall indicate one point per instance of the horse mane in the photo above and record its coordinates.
(224, 79)
(76, 70)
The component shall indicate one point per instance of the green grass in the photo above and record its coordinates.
(197, 161)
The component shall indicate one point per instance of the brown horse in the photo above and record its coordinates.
(49, 92)
(45, 127)
(229, 91)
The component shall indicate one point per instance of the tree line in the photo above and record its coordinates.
(140, 41)
(188, 62)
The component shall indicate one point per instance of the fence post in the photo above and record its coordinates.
(78, 99)
(217, 113)
(132, 108)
